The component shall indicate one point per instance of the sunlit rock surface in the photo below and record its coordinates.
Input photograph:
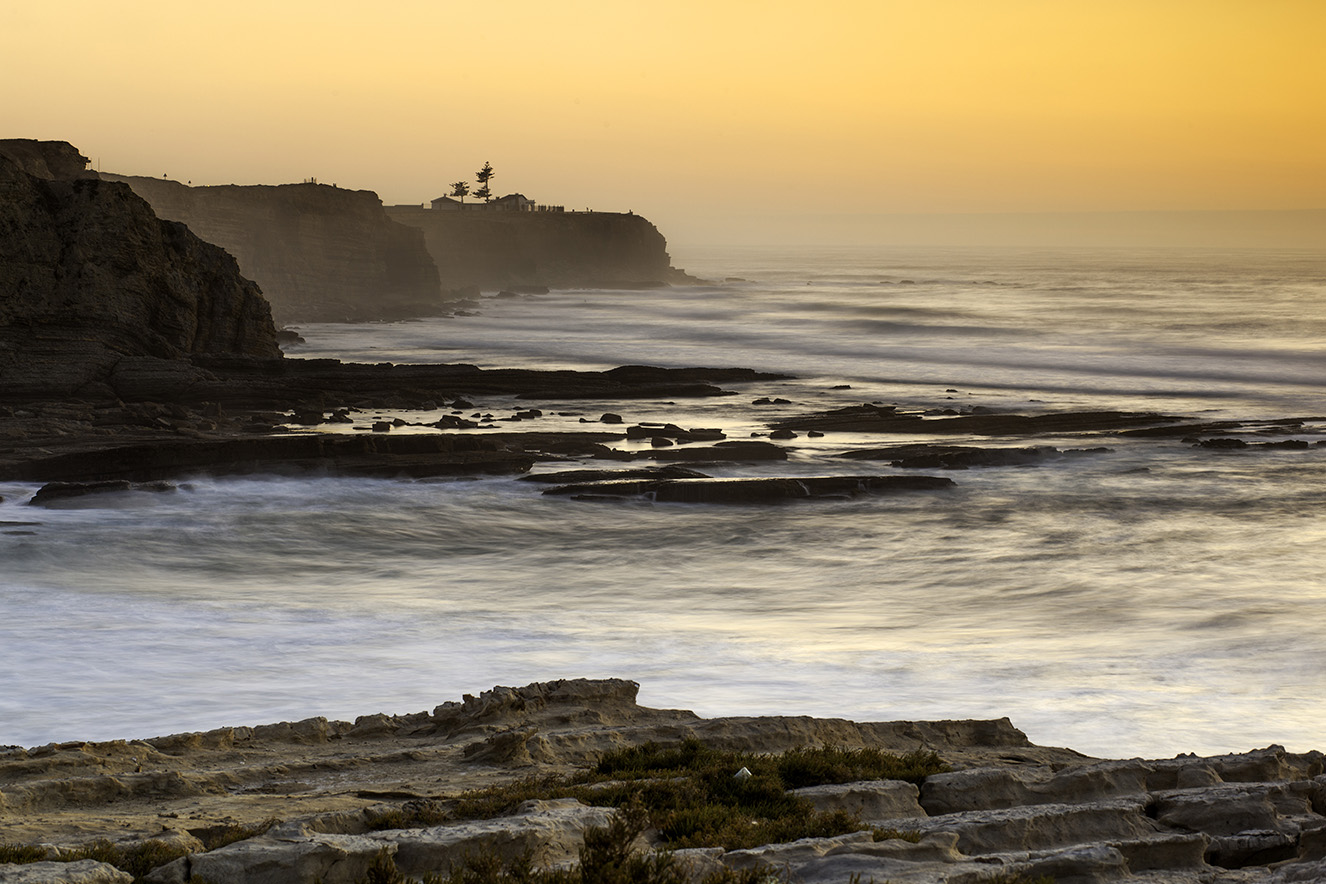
(1008, 807)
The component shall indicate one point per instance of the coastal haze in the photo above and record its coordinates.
(937, 207)
(733, 119)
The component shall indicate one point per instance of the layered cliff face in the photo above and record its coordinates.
(46, 159)
(320, 253)
(91, 280)
(502, 249)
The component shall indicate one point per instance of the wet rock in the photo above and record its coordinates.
(584, 476)
(752, 490)
(869, 418)
(741, 451)
(609, 417)
(1224, 443)
(53, 493)
(961, 457)
(649, 430)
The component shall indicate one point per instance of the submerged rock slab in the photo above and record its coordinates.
(963, 457)
(750, 490)
(888, 419)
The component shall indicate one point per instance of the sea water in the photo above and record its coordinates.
(1151, 599)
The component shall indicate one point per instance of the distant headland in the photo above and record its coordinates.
(325, 254)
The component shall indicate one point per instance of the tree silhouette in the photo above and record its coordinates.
(483, 176)
(459, 189)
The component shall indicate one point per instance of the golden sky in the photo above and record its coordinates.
(685, 110)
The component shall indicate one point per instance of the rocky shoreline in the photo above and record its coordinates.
(316, 795)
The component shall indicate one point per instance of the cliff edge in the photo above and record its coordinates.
(91, 280)
(496, 249)
(320, 253)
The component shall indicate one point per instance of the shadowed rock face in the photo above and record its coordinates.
(559, 250)
(320, 253)
(46, 159)
(91, 278)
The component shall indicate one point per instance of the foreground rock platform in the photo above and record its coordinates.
(1007, 807)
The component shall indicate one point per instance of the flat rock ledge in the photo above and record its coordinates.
(1007, 808)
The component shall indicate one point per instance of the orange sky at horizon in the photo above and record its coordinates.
(692, 110)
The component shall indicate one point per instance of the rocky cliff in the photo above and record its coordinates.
(503, 249)
(92, 281)
(320, 253)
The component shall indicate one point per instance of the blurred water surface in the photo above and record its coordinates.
(1145, 601)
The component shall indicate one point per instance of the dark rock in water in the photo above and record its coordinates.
(610, 418)
(53, 493)
(887, 419)
(385, 455)
(782, 434)
(1223, 443)
(583, 476)
(1229, 443)
(649, 430)
(661, 442)
(961, 457)
(97, 292)
(751, 490)
(723, 451)
(1287, 445)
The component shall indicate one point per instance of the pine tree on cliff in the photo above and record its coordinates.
(483, 176)
(460, 189)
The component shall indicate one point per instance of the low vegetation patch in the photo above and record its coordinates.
(688, 793)
(137, 858)
(21, 853)
(693, 798)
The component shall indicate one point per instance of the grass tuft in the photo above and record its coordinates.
(21, 853)
(410, 815)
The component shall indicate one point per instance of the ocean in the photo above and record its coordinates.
(1151, 599)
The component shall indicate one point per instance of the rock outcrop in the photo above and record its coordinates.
(91, 279)
(321, 253)
(553, 249)
(374, 793)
